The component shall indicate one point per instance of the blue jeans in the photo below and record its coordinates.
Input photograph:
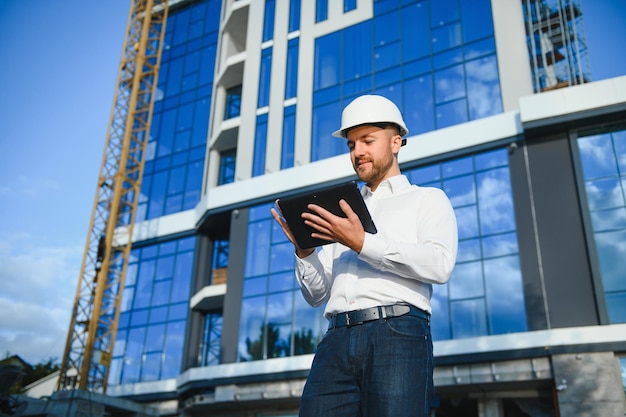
(382, 368)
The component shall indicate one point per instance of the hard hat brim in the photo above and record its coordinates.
(341, 132)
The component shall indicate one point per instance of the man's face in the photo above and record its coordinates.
(372, 153)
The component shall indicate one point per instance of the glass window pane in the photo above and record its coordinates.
(165, 267)
(143, 291)
(449, 84)
(280, 308)
(467, 219)
(161, 292)
(321, 10)
(193, 184)
(260, 143)
(495, 201)
(289, 138)
(441, 322)
(357, 62)
(611, 255)
(309, 326)
(294, 15)
(491, 159)
(615, 303)
(325, 122)
(257, 256)
(151, 367)
(386, 28)
(155, 337)
(595, 152)
(388, 56)
(281, 257)
(291, 73)
(265, 78)
(607, 220)
(420, 114)
(505, 295)
(467, 281)
(415, 31)
(268, 20)
(604, 193)
(477, 20)
(282, 282)
(483, 87)
(469, 318)
(254, 286)
(182, 277)
(452, 113)
(327, 61)
(469, 250)
(443, 11)
(499, 245)
(446, 37)
(158, 314)
(173, 352)
(461, 191)
(251, 329)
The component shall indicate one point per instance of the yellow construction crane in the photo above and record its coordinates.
(95, 315)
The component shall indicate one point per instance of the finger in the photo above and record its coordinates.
(346, 208)
(320, 211)
(277, 216)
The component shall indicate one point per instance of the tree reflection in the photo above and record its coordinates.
(269, 343)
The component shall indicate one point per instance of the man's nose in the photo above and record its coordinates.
(359, 148)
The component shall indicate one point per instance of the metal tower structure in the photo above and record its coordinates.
(557, 44)
(95, 315)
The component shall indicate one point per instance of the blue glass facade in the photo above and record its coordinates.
(260, 142)
(603, 158)
(275, 319)
(484, 295)
(153, 315)
(289, 137)
(265, 78)
(436, 59)
(172, 177)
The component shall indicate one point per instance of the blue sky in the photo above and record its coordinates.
(58, 67)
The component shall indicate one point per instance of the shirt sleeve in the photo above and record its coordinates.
(315, 282)
(431, 257)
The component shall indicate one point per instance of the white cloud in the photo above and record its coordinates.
(38, 288)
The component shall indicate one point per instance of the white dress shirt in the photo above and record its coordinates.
(415, 247)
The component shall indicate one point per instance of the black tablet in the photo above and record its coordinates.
(293, 207)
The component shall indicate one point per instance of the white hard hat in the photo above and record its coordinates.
(370, 109)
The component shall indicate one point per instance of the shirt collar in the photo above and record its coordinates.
(389, 186)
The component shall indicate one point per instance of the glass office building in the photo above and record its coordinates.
(530, 150)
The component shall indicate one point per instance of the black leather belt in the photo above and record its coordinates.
(356, 317)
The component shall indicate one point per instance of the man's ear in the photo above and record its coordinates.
(396, 143)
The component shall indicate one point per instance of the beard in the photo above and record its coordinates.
(375, 172)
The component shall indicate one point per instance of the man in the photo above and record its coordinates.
(376, 358)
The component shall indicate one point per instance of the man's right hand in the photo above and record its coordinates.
(300, 253)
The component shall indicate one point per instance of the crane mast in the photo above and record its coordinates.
(93, 327)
